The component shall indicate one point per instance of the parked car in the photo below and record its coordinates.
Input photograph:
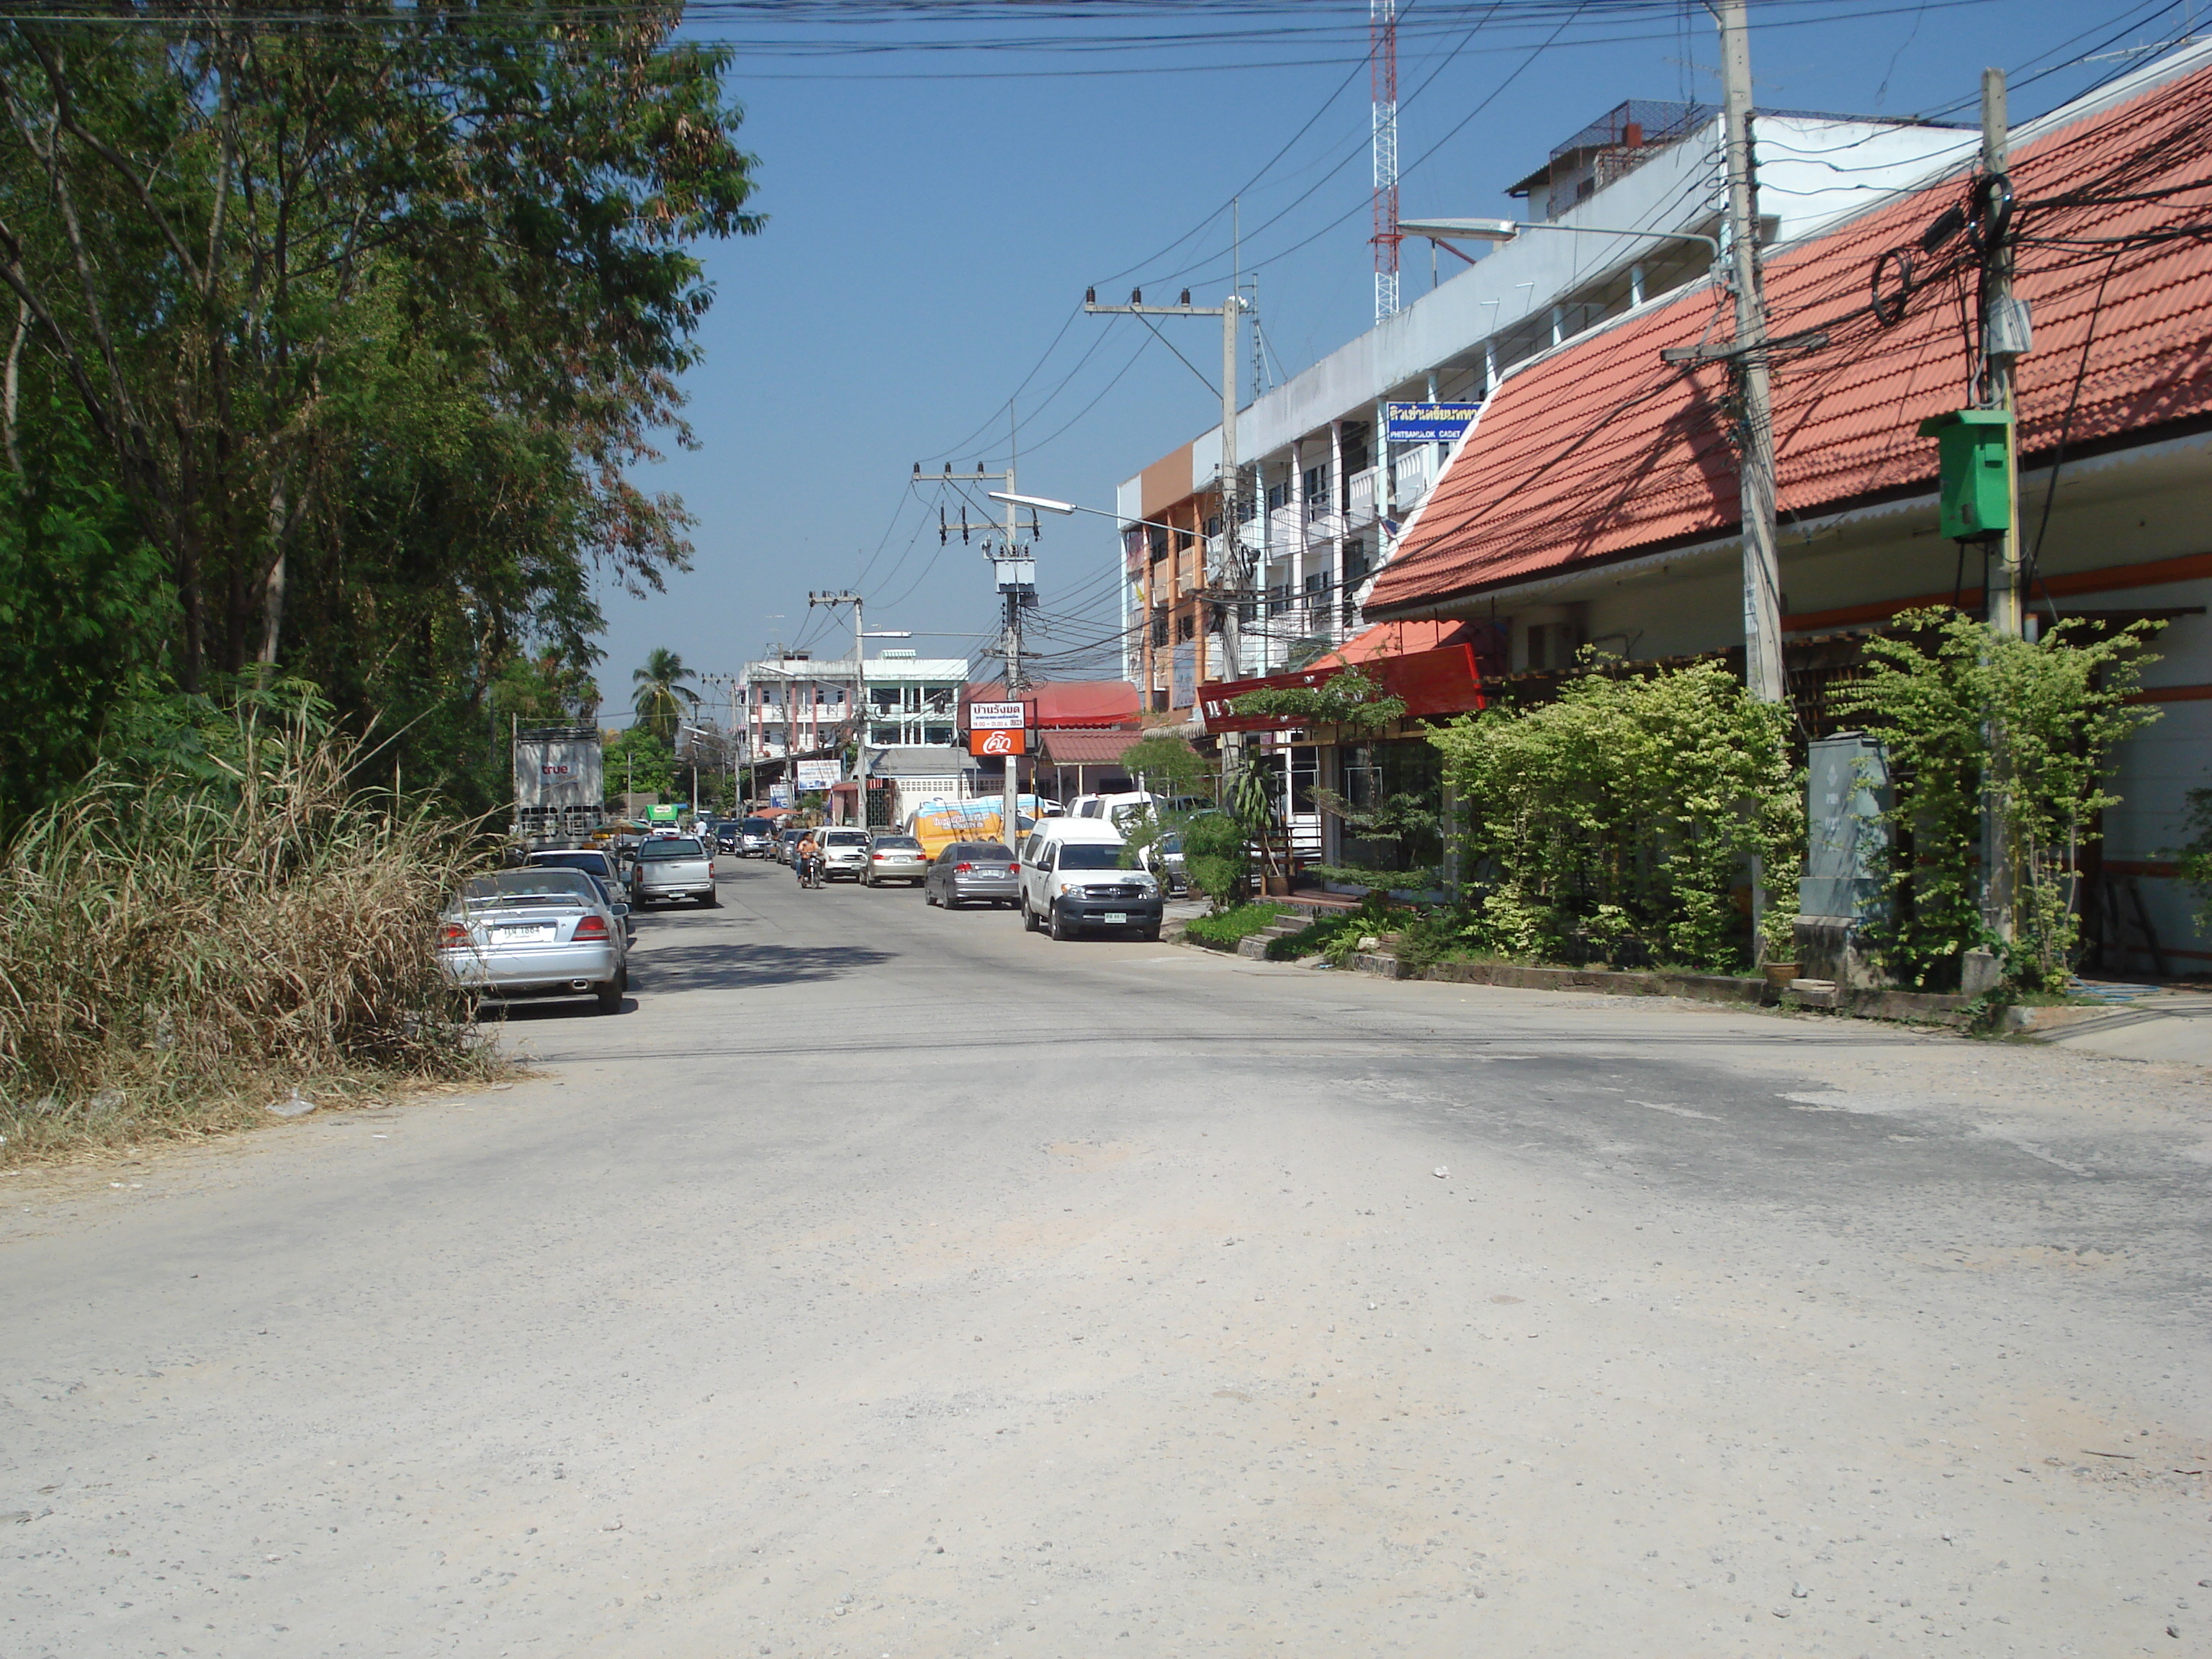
(896, 858)
(1071, 877)
(972, 870)
(674, 867)
(596, 859)
(1162, 858)
(756, 838)
(536, 931)
(785, 841)
(596, 862)
(844, 853)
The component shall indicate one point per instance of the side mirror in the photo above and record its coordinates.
(618, 910)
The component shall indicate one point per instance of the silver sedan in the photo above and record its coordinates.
(536, 932)
(896, 858)
(972, 870)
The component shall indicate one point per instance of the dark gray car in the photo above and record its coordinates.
(971, 872)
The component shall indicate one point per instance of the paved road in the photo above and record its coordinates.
(892, 1282)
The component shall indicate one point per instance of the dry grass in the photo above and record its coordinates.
(180, 947)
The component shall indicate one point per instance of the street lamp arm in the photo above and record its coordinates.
(1051, 506)
(1506, 230)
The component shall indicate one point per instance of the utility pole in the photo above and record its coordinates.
(739, 738)
(1762, 576)
(2003, 340)
(1017, 583)
(2005, 599)
(1232, 551)
(860, 701)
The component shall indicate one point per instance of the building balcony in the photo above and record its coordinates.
(1360, 489)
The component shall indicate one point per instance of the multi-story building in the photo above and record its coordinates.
(1323, 493)
(797, 705)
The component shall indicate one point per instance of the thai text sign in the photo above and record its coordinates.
(816, 774)
(1421, 424)
(998, 716)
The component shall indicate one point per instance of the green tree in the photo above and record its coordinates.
(367, 312)
(662, 699)
(637, 760)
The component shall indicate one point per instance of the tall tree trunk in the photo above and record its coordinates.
(9, 385)
(272, 588)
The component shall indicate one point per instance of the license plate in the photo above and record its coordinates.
(1116, 919)
(540, 935)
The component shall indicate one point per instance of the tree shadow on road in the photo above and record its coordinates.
(746, 967)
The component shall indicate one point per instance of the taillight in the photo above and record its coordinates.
(879, 858)
(452, 936)
(1013, 869)
(591, 927)
(964, 868)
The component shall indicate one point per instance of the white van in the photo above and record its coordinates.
(1122, 810)
(1071, 878)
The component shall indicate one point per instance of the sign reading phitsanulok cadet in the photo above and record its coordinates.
(998, 716)
(1423, 424)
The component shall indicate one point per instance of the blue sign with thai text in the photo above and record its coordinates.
(1427, 423)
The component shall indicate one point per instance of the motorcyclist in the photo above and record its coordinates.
(806, 857)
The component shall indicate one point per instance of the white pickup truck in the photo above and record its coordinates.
(672, 867)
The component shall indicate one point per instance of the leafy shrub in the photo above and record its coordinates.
(219, 915)
(2194, 857)
(1970, 717)
(1223, 928)
(1618, 821)
(1215, 857)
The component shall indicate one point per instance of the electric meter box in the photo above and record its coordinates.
(1973, 447)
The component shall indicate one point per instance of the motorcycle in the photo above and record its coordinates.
(810, 871)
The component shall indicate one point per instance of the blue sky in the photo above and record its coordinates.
(933, 227)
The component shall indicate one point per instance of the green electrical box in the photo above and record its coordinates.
(1975, 449)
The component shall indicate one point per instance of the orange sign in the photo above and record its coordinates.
(998, 743)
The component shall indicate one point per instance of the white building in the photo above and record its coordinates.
(797, 705)
(1324, 496)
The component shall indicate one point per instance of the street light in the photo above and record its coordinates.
(1507, 230)
(1048, 505)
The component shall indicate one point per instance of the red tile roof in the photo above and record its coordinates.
(1064, 703)
(1085, 748)
(1600, 452)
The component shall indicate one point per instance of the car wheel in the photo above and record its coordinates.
(1056, 925)
(713, 901)
(1152, 936)
(928, 897)
(1029, 917)
(610, 995)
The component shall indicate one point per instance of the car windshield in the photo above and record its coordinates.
(1089, 855)
(898, 843)
(1171, 843)
(846, 838)
(521, 886)
(758, 827)
(973, 852)
(654, 851)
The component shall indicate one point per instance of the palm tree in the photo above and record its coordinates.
(660, 701)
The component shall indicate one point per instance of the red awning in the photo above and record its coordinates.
(1444, 681)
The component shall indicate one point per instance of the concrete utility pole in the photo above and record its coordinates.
(1762, 575)
(1016, 575)
(1232, 489)
(860, 701)
(2002, 341)
(2005, 599)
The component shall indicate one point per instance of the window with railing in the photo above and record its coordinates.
(1159, 625)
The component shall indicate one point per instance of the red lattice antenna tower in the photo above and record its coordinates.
(1383, 76)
